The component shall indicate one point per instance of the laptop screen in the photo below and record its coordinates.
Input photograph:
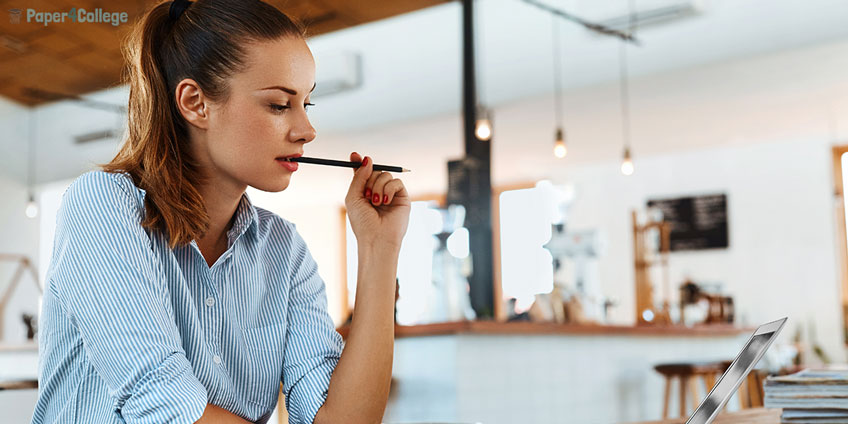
(736, 373)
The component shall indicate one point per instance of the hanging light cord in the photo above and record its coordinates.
(625, 89)
(31, 152)
(557, 74)
(625, 98)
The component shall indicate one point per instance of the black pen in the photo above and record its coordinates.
(330, 162)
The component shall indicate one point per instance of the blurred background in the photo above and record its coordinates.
(603, 189)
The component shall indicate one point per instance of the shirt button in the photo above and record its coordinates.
(216, 359)
(210, 301)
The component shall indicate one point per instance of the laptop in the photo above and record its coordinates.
(754, 349)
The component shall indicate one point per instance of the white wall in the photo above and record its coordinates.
(18, 236)
(782, 257)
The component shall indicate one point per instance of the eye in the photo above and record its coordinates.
(280, 108)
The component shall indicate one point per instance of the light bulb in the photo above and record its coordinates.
(627, 167)
(31, 208)
(483, 131)
(627, 164)
(559, 147)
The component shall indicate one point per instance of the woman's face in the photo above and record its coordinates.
(264, 117)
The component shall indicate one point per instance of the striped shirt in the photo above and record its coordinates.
(133, 331)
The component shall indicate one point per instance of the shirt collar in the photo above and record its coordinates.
(246, 217)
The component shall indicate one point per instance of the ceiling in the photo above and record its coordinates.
(412, 63)
(73, 58)
(746, 57)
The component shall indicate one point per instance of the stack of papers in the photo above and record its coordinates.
(810, 396)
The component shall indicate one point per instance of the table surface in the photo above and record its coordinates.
(751, 416)
(18, 385)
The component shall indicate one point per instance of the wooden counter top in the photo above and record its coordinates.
(752, 416)
(531, 328)
(18, 385)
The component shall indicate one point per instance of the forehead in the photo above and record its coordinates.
(286, 61)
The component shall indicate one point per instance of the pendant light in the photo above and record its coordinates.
(483, 128)
(560, 149)
(627, 167)
(31, 206)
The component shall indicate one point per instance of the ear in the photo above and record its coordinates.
(192, 104)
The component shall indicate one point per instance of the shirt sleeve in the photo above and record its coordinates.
(313, 347)
(106, 277)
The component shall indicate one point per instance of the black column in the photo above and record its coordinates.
(471, 178)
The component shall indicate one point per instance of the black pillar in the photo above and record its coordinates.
(471, 180)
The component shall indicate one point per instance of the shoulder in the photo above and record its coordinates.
(275, 227)
(98, 190)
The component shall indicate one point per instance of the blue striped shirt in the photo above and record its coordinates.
(133, 331)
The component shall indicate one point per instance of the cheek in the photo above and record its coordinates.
(244, 143)
(246, 133)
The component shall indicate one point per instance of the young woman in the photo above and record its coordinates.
(170, 297)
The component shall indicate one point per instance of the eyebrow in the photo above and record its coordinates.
(287, 90)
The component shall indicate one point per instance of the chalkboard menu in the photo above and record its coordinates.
(696, 222)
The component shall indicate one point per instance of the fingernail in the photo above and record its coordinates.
(367, 192)
(376, 198)
(365, 161)
(385, 198)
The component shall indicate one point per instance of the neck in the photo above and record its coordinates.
(222, 198)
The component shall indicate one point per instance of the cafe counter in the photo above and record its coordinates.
(493, 373)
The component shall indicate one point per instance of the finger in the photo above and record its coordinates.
(382, 180)
(369, 186)
(360, 176)
(392, 189)
(355, 157)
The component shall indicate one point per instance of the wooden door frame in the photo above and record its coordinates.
(841, 240)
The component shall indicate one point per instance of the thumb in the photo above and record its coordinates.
(361, 174)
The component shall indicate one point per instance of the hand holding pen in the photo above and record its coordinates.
(377, 205)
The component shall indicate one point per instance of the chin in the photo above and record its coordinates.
(273, 186)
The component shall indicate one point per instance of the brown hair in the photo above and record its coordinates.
(205, 43)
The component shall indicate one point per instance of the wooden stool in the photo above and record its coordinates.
(688, 375)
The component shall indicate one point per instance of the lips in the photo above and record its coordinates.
(291, 166)
(296, 155)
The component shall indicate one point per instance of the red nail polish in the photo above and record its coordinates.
(365, 161)
(376, 198)
(385, 198)
(367, 192)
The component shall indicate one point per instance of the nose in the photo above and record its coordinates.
(302, 130)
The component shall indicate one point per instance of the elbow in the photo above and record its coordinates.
(326, 415)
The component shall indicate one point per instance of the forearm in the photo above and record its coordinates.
(359, 388)
(217, 415)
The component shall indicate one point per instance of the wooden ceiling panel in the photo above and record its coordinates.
(25, 64)
(58, 44)
(77, 58)
(96, 62)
